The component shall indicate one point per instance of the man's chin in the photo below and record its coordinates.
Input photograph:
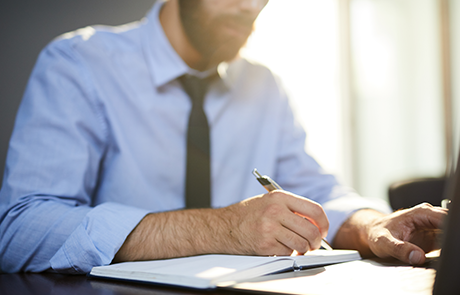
(224, 54)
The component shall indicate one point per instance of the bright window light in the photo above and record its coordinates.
(298, 40)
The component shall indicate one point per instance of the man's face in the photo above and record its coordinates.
(219, 28)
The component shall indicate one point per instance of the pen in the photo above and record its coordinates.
(270, 185)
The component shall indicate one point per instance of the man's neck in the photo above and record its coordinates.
(172, 26)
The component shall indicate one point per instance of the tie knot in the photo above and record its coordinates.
(195, 87)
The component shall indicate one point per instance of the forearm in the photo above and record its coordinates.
(177, 234)
(354, 232)
(262, 225)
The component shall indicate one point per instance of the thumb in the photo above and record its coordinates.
(407, 252)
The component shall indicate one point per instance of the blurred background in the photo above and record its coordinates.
(376, 83)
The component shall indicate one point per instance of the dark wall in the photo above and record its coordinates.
(26, 26)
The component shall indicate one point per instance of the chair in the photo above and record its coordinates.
(408, 193)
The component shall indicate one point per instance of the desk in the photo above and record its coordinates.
(49, 283)
(58, 284)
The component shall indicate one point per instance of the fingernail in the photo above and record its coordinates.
(415, 257)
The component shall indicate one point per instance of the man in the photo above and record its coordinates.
(96, 167)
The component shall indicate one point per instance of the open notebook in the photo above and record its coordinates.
(210, 271)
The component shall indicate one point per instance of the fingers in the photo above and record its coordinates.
(303, 222)
(309, 210)
(307, 235)
(278, 248)
(275, 239)
(293, 241)
(407, 234)
(286, 240)
(404, 251)
(427, 216)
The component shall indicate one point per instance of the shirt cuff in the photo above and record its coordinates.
(340, 209)
(97, 239)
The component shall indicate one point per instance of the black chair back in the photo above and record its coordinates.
(408, 193)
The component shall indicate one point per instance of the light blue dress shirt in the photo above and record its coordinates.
(99, 142)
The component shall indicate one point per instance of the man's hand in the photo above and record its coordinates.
(276, 223)
(406, 234)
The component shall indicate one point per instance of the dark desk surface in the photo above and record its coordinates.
(49, 283)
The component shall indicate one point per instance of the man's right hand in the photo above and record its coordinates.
(276, 223)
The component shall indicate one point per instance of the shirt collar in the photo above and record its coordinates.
(164, 62)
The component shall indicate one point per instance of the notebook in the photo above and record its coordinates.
(210, 271)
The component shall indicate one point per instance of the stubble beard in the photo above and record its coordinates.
(206, 36)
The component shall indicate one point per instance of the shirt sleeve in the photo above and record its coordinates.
(48, 221)
(298, 172)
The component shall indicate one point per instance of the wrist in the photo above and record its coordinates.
(366, 220)
(229, 235)
(211, 231)
(355, 232)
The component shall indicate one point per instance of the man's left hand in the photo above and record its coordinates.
(406, 234)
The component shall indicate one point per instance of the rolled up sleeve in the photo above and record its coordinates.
(97, 238)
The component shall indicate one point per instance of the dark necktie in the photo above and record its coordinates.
(198, 175)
